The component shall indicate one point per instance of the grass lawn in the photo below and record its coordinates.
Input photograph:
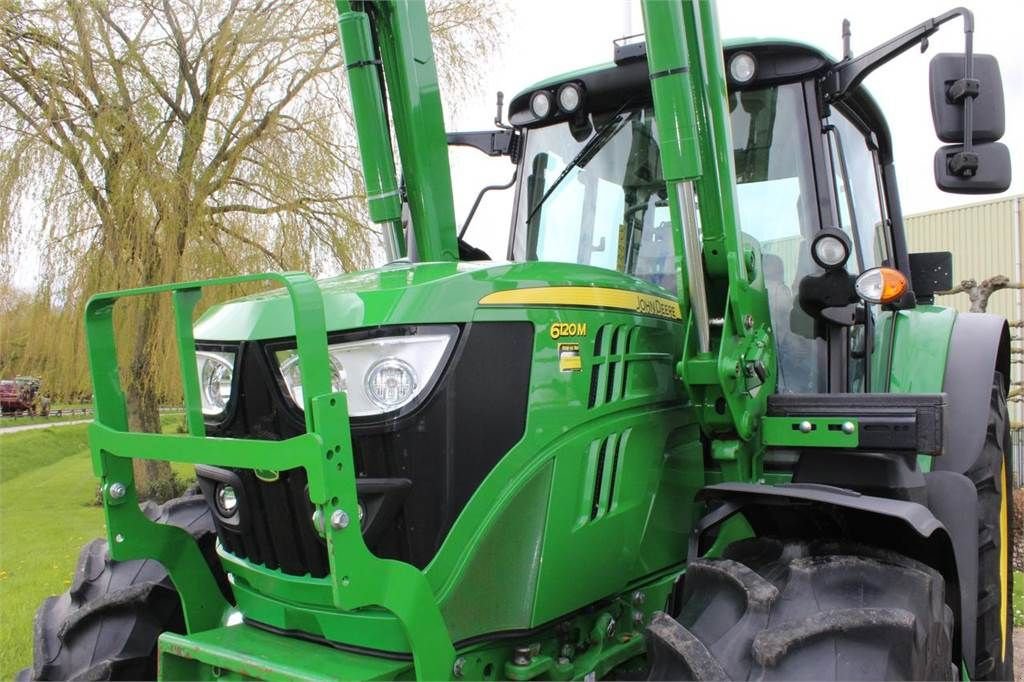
(1018, 599)
(46, 514)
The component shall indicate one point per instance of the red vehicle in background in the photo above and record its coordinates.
(18, 394)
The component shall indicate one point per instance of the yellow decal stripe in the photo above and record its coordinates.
(1004, 559)
(588, 297)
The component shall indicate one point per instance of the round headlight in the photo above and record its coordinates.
(391, 383)
(215, 375)
(227, 499)
(830, 251)
(742, 67)
(540, 104)
(569, 97)
(293, 377)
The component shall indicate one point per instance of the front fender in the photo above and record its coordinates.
(979, 346)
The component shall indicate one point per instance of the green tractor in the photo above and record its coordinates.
(705, 421)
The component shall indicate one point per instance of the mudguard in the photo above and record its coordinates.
(926, 533)
(979, 346)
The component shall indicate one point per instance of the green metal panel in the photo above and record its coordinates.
(420, 293)
(822, 432)
(246, 653)
(913, 371)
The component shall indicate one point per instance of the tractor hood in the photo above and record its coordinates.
(403, 293)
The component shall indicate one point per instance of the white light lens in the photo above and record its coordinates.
(540, 104)
(378, 375)
(215, 373)
(829, 251)
(289, 363)
(569, 98)
(870, 285)
(741, 68)
(227, 499)
(390, 384)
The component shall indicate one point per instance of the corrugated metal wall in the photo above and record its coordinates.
(985, 240)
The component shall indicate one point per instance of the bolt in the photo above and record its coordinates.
(521, 655)
(568, 650)
(318, 521)
(339, 519)
(460, 664)
(117, 490)
(639, 598)
(611, 628)
(849, 428)
(638, 619)
(806, 427)
(748, 321)
(563, 661)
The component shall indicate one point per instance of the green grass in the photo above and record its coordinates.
(1018, 599)
(47, 490)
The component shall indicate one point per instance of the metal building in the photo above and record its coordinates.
(985, 239)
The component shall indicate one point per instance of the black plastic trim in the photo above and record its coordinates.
(888, 421)
(979, 346)
(949, 496)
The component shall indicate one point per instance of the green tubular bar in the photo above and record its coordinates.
(358, 578)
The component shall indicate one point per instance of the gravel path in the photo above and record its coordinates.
(50, 425)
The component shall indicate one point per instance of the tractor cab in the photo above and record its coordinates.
(591, 189)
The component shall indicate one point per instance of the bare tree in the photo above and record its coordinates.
(158, 140)
(980, 293)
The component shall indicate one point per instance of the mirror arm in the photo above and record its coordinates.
(490, 142)
(848, 74)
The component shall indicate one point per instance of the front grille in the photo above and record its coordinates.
(414, 473)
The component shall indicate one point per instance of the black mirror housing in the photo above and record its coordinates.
(993, 172)
(988, 113)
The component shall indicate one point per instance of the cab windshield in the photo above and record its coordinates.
(609, 208)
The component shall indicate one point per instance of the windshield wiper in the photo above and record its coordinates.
(606, 132)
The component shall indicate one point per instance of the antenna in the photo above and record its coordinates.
(847, 52)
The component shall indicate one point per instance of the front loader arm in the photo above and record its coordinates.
(399, 33)
(728, 361)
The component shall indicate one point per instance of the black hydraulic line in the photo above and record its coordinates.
(480, 196)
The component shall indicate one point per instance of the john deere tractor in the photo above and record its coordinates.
(703, 421)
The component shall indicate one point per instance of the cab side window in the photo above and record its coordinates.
(857, 195)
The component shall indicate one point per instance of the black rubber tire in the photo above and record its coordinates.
(105, 627)
(790, 610)
(992, 475)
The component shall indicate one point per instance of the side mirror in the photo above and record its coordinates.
(970, 112)
(948, 90)
(991, 175)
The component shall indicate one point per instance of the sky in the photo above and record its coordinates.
(549, 37)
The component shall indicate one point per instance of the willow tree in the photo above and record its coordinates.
(147, 141)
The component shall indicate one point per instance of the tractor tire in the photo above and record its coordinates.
(105, 627)
(792, 610)
(992, 477)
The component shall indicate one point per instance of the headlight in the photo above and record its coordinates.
(215, 373)
(378, 375)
